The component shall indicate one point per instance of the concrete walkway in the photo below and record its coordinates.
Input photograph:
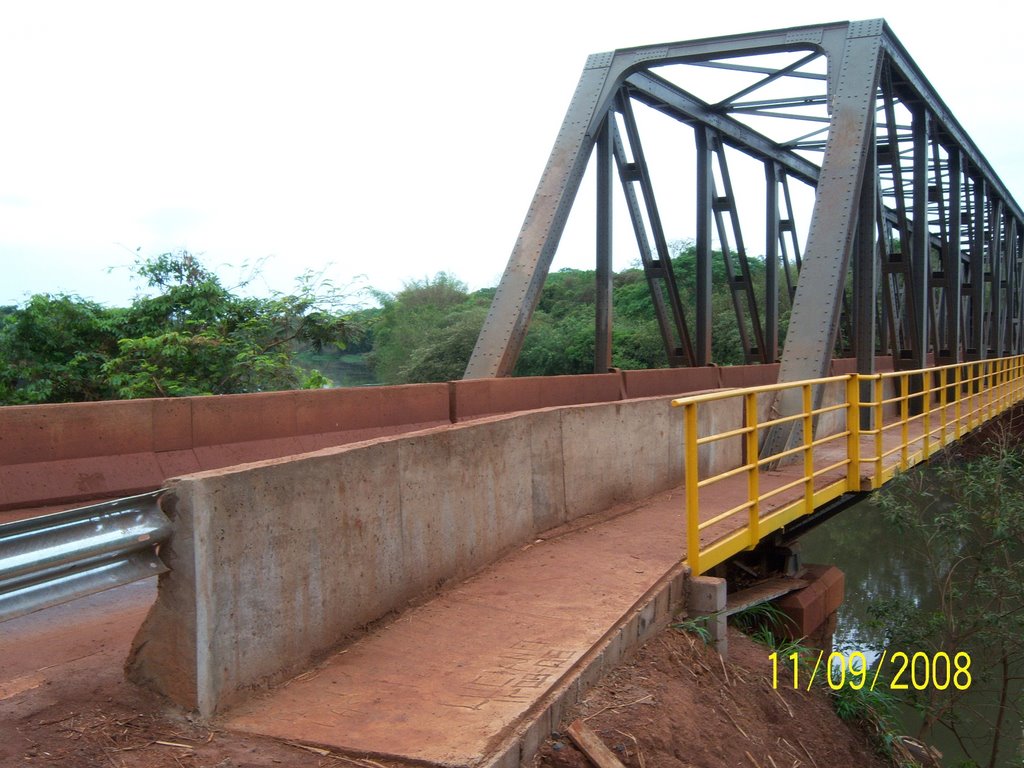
(471, 677)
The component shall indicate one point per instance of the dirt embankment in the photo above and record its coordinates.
(676, 704)
(64, 702)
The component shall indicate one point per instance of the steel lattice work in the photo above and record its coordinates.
(913, 244)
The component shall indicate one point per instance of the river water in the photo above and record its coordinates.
(881, 563)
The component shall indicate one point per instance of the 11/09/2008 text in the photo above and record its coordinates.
(915, 671)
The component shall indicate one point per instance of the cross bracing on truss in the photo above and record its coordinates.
(912, 246)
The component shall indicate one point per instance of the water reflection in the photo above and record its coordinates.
(881, 563)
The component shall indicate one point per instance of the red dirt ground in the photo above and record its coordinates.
(65, 702)
(675, 704)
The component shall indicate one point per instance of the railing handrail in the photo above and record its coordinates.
(722, 394)
(725, 393)
(950, 405)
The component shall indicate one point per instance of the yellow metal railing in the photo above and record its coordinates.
(912, 414)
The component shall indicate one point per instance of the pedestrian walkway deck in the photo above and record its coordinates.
(481, 673)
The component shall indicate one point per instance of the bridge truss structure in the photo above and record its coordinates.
(913, 246)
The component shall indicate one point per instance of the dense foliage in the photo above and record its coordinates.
(189, 334)
(426, 331)
(964, 522)
(192, 336)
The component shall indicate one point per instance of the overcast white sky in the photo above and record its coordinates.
(389, 139)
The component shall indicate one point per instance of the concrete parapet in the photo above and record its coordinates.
(472, 398)
(53, 454)
(620, 452)
(748, 375)
(61, 454)
(670, 381)
(275, 563)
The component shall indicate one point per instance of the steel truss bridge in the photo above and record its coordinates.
(913, 246)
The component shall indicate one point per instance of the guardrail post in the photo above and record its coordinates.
(692, 492)
(753, 490)
(1002, 386)
(853, 432)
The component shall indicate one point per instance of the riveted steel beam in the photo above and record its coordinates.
(518, 292)
(903, 199)
(814, 321)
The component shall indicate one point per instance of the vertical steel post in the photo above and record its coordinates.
(865, 280)
(603, 310)
(976, 347)
(996, 263)
(814, 321)
(951, 268)
(771, 262)
(920, 244)
(705, 186)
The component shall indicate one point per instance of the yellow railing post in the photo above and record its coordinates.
(853, 432)
(876, 481)
(808, 421)
(943, 396)
(997, 388)
(926, 409)
(753, 491)
(692, 492)
(957, 407)
(988, 390)
(904, 415)
(1002, 385)
(977, 395)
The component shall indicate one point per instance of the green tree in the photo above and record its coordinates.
(965, 521)
(53, 350)
(193, 336)
(426, 331)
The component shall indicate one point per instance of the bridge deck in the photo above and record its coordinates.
(458, 680)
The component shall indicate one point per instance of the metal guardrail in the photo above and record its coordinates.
(55, 558)
(927, 409)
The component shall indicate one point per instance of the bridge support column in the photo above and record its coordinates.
(708, 599)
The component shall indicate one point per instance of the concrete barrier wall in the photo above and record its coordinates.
(274, 563)
(61, 454)
(52, 454)
(487, 397)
